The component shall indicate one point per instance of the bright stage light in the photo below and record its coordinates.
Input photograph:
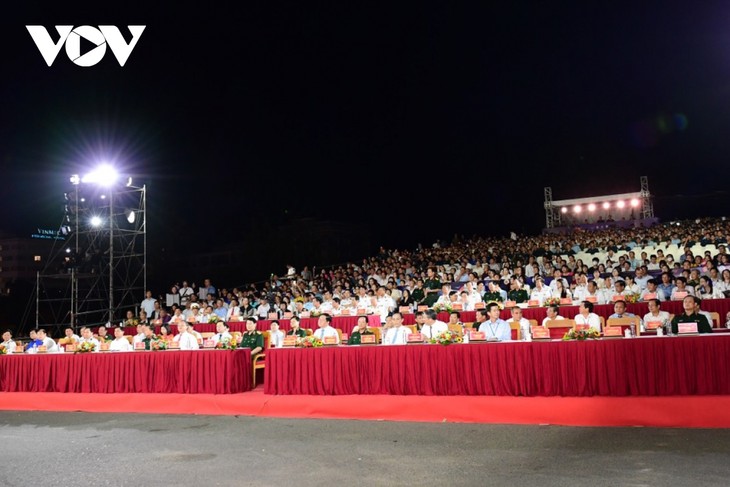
(75, 179)
(95, 221)
(83, 200)
(563, 210)
(606, 205)
(131, 216)
(104, 175)
(634, 202)
(68, 250)
(620, 204)
(103, 196)
(591, 207)
(577, 208)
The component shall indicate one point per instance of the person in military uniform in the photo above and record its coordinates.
(691, 315)
(149, 336)
(493, 296)
(431, 287)
(252, 338)
(295, 330)
(361, 329)
(418, 294)
(517, 293)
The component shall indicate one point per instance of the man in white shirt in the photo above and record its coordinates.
(148, 304)
(398, 333)
(70, 336)
(655, 315)
(262, 311)
(88, 337)
(185, 293)
(120, 342)
(47, 341)
(186, 340)
(651, 288)
(276, 336)
(222, 333)
(540, 292)
(518, 318)
(8, 342)
(493, 327)
(325, 330)
(431, 326)
(139, 336)
(552, 314)
(586, 316)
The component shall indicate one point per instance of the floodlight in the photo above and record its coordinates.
(104, 175)
(620, 204)
(563, 210)
(577, 208)
(103, 196)
(75, 179)
(95, 221)
(131, 216)
(591, 207)
(68, 250)
(634, 202)
(606, 205)
(129, 181)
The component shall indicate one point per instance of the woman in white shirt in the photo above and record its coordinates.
(707, 291)
(631, 286)
(724, 284)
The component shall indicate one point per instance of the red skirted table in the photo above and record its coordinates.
(187, 372)
(647, 366)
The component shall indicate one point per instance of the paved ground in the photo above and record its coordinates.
(123, 449)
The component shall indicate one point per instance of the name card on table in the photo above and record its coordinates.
(480, 305)
(414, 338)
(680, 295)
(103, 346)
(533, 302)
(234, 318)
(273, 315)
(289, 341)
(653, 325)
(457, 306)
(288, 315)
(618, 297)
(367, 339)
(649, 296)
(582, 327)
(71, 347)
(362, 311)
(686, 328)
(139, 346)
(613, 332)
(510, 304)
(330, 341)
(477, 336)
(173, 345)
(208, 343)
(42, 349)
(540, 333)
(344, 311)
(305, 314)
(422, 307)
(567, 301)
(345, 336)
(404, 310)
(591, 299)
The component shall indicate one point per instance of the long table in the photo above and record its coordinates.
(647, 366)
(721, 306)
(190, 372)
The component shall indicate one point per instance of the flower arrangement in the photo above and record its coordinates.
(131, 323)
(158, 344)
(213, 318)
(227, 344)
(590, 333)
(309, 342)
(85, 347)
(552, 302)
(631, 298)
(3, 350)
(446, 338)
(439, 307)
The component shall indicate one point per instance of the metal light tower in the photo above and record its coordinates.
(549, 213)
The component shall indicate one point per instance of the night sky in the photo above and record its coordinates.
(438, 117)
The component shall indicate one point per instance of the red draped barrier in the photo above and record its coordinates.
(651, 366)
(721, 306)
(188, 372)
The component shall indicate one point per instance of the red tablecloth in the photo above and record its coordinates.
(721, 306)
(189, 372)
(651, 366)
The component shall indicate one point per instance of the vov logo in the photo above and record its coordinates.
(71, 37)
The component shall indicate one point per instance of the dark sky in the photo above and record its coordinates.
(452, 118)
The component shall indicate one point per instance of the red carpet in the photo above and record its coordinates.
(675, 411)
